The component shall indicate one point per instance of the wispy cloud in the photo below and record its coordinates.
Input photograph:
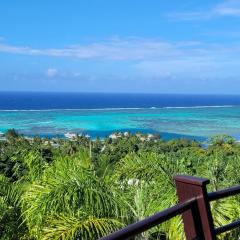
(132, 49)
(52, 72)
(229, 8)
(113, 49)
(189, 15)
(137, 64)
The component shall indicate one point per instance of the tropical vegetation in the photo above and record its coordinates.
(86, 189)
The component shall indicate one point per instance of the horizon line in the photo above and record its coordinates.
(134, 93)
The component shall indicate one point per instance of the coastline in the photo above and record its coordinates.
(163, 136)
(98, 115)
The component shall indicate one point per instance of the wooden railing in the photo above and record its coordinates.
(194, 206)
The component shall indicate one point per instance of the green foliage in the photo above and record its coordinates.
(73, 227)
(11, 134)
(11, 222)
(67, 187)
(84, 189)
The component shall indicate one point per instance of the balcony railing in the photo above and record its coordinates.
(194, 206)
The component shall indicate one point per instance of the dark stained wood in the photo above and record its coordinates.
(223, 193)
(197, 223)
(227, 227)
(192, 180)
(194, 205)
(142, 226)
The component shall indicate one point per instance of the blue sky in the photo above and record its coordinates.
(151, 46)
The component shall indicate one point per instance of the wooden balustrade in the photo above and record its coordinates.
(194, 206)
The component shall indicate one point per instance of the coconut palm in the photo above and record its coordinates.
(11, 226)
(155, 188)
(149, 182)
(70, 202)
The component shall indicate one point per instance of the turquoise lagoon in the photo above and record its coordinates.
(193, 122)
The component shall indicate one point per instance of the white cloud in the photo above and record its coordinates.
(148, 58)
(136, 49)
(189, 16)
(113, 49)
(52, 72)
(229, 8)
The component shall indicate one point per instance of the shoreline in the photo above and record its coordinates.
(166, 136)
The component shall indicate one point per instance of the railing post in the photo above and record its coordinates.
(198, 222)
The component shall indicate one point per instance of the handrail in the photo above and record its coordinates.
(227, 227)
(194, 205)
(147, 223)
(213, 196)
(223, 193)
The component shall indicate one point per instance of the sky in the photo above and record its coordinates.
(145, 46)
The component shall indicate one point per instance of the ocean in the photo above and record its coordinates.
(98, 114)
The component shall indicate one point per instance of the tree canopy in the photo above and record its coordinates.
(85, 189)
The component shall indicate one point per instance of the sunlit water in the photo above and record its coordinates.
(193, 122)
(99, 114)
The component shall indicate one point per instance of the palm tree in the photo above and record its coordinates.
(155, 188)
(70, 202)
(148, 179)
(11, 223)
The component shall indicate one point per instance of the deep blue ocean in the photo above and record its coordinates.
(98, 114)
(41, 101)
